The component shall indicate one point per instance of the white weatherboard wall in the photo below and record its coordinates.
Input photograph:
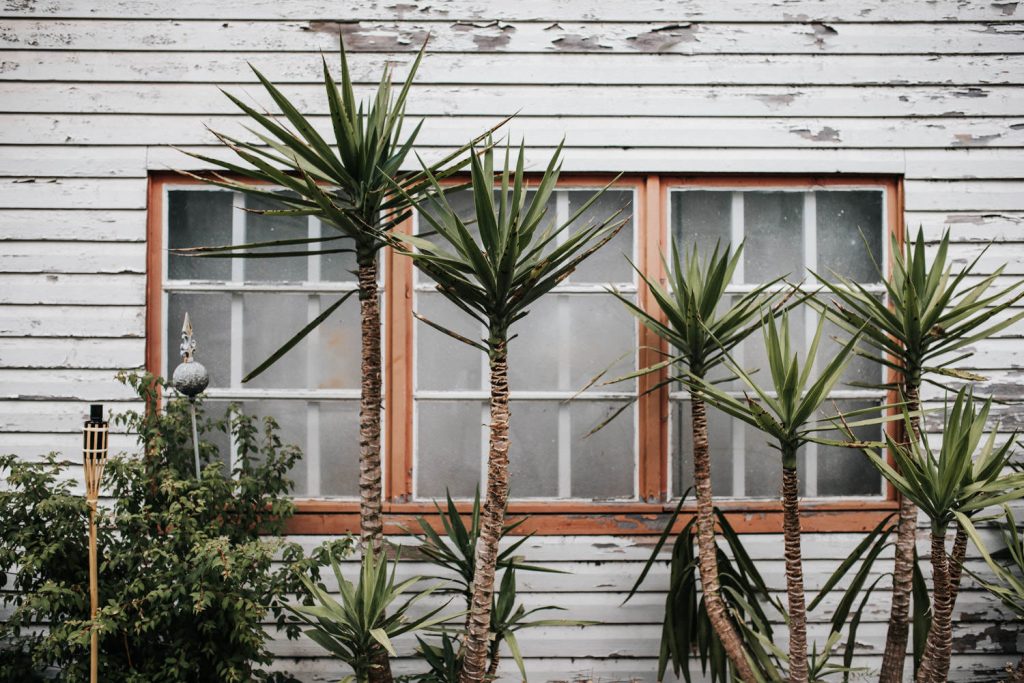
(93, 94)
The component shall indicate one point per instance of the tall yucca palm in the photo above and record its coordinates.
(963, 478)
(494, 276)
(786, 413)
(700, 334)
(932, 314)
(350, 186)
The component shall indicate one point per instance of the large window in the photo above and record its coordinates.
(435, 435)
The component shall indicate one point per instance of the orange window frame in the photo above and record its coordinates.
(645, 516)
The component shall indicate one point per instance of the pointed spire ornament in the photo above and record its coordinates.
(190, 379)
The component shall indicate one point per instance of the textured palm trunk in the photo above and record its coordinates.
(493, 520)
(903, 570)
(371, 527)
(935, 660)
(708, 549)
(956, 564)
(492, 668)
(794, 575)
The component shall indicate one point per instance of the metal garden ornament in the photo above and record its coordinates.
(190, 378)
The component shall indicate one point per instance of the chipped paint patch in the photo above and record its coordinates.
(370, 38)
(489, 35)
(1007, 8)
(664, 37)
(971, 91)
(972, 140)
(573, 42)
(821, 32)
(826, 134)
(777, 100)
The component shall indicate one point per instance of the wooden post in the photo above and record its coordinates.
(94, 456)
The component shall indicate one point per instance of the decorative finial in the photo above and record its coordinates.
(190, 377)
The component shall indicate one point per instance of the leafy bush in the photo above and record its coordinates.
(186, 578)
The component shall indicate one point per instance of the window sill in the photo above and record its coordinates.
(318, 517)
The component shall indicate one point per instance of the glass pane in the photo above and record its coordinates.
(540, 355)
(339, 448)
(337, 345)
(336, 267)
(444, 363)
(847, 471)
(850, 234)
(211, 324)
(763, 471)
(602, 337)
(268, 321)
(603, 464)
(701, 217)
(448, 448)
(533, 451)
(608, 264)
(198, 219)
(260, 228)
(720, 449)
(773, 233)
(291, 419)
(219, 440)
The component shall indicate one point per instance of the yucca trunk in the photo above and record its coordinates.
(903, 570)
(708, 549)
(935, 658)
(956, 564)
(935, 661)
(493, 519)
(794, 570)
(371, 527)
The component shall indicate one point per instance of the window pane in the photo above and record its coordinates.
(268, 321)
(448, 452)
(609, 263)
(567, 339)
(198, 219)
(603, 464)
(339, 448)
(444, 363)
(291, 418)
(533, 451)
(702, 218)
(211, 325)
(847, 471)
(859, 371)
(720, 449)
(338, 345)
(773, 232)
(260, 228)
(850, 234)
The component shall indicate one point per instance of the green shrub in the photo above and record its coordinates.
(187, 573)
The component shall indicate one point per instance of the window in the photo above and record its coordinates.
(621, 479)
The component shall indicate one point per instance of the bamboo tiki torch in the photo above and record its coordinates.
(94, 456)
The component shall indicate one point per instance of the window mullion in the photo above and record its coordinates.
(739, 452)
(563, 302)
(237, 275)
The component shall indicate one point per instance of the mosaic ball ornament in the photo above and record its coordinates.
(190, 378)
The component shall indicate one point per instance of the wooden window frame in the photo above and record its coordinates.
(645, 516)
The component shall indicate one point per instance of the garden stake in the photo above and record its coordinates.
(190, 378)
(94, 456)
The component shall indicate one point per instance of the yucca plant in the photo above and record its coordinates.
(966, 476)
(359, 629)
(495, 276)
(700, 332)
(349, 185)
(687, 629)
(456, 552)
(931, 315)
(785, 413)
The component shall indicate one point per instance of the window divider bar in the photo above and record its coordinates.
(737, 221)
(237, 322)
(563, 304)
